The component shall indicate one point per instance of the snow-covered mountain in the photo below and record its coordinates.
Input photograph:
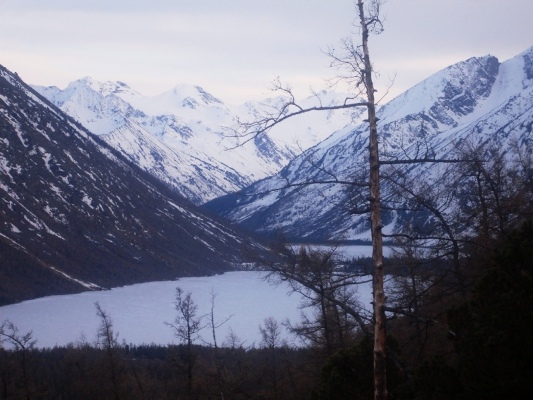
(479, 100)
(77, 215)
(179, 136)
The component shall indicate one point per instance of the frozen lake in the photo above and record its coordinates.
(139, 312)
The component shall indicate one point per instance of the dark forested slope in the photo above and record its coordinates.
(75, 215)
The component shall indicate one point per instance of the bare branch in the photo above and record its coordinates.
(401, 311)
(423, 160)
(9, 332)
(250, 130)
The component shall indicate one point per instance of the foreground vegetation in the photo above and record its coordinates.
(473, 347)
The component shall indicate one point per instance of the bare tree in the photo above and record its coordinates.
(107, 340)
(495, 189)
(22, 343)
(218, 357)
(271, 333)
(271, 340)
(186, 327)
(324, 324)
(362, 68)
(436, 201)
(467, 204)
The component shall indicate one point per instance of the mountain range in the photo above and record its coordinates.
(479, 100)
(77, 215)
(183, 138)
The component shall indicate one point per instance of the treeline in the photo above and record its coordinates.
(156, 372)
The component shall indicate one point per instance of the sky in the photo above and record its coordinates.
(235, 48)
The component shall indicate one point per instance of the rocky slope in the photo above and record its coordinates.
(76, 215)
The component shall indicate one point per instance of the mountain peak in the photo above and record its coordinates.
(85, 82)
(104, 88)
(191, 96)
(471, 80)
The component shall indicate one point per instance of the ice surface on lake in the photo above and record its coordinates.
(139, 312)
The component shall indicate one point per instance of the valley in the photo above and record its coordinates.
(112, 200)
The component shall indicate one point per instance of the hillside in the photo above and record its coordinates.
(76, 215)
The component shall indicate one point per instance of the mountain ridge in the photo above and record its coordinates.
(479, 99)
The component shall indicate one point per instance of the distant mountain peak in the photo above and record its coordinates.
(191, 96)
(207, 97)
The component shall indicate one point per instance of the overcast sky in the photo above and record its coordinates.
(235, 48)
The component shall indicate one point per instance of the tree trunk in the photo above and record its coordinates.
(380, 351)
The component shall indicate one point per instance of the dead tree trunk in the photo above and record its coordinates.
(380, 350)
